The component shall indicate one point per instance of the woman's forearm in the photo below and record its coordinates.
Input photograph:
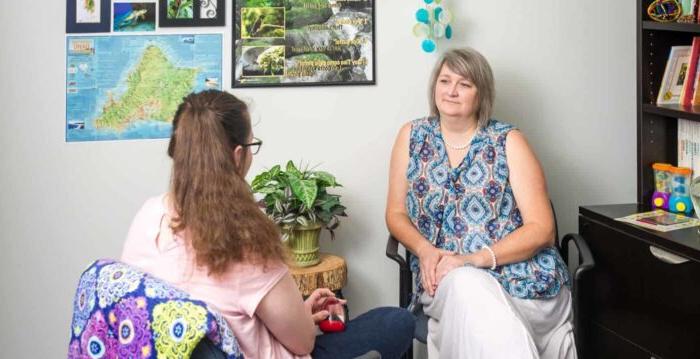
(405, 232)
(521, 244)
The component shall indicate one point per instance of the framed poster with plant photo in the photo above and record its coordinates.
(84, 16)
(186, 13)
(280, 43)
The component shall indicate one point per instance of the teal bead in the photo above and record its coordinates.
(428, 45)
(437, 12)
(448, 32)
(423, 16)
(428, 1)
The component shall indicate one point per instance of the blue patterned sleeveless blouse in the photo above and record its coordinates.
(471, 206)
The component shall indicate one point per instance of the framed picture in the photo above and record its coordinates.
(674, 76)
(278, 43)
(186, 13)
(134, 16)
(87, 16)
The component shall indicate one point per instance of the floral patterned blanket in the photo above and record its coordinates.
(122, 312)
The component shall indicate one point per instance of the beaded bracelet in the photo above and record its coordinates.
(493, 257)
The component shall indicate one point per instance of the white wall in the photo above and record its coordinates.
(565, 76)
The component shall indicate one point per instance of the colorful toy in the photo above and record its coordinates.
(662, 183)
(680, 201)
(664, 10)
(433, 23)
(335, 322)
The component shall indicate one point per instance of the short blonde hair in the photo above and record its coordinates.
(473, 66)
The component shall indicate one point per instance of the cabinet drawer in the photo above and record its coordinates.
(606, 344)
(654, 304)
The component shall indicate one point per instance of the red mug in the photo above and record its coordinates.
(335, 322)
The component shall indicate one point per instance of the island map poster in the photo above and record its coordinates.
(129, 87)
(303, 42)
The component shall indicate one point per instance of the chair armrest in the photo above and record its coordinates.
(586, 261)
(405, 275)
(392, 251)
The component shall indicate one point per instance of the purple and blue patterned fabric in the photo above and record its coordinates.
(466, 208)
(122, 312)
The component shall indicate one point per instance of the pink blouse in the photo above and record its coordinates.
(152, 246)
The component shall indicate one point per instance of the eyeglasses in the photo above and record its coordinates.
(254, 146)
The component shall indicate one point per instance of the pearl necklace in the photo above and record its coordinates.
(457, 148)
(462, 147)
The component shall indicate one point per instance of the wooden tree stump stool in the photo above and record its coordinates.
(331, 273)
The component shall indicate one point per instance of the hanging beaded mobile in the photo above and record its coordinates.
(433, 23)
(664, 10)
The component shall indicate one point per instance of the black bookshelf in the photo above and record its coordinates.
(670, 26)
(657, 124)
(673, 111)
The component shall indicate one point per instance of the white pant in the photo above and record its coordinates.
(471, 316)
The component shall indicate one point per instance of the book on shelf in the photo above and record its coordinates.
(689, 145)
(688, 92)
(674, 76)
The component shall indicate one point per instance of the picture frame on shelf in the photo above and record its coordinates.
(674, 76)
(88, 16)
(285, 43)
(191, 13)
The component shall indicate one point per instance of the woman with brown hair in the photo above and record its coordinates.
(208, 237)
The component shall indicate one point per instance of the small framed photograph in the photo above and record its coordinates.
(186, 13)
(134, 16)
(83, 16)
(674, 76)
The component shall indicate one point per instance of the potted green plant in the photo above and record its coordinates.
(298, 201)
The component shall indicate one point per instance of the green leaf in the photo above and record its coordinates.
(330, 203)
(326, 179)
(274, 171)
(260, 181)
(291, 169)
(267, 189)
(302, 221)
(339, 210)
(324, 216)
(278, 206)
(304, 190)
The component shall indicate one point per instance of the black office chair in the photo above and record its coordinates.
(585, 263)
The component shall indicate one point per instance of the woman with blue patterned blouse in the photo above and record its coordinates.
(468, 197)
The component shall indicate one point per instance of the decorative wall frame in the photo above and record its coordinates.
(280, 43)
(190, 13)
(83, 16)
(133, 16)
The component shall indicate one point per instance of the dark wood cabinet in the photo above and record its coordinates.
(638, 303)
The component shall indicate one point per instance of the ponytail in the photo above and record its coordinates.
(213, 203)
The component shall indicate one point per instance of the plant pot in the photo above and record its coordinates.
(303, 241)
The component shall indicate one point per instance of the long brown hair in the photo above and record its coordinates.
(213, 203)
